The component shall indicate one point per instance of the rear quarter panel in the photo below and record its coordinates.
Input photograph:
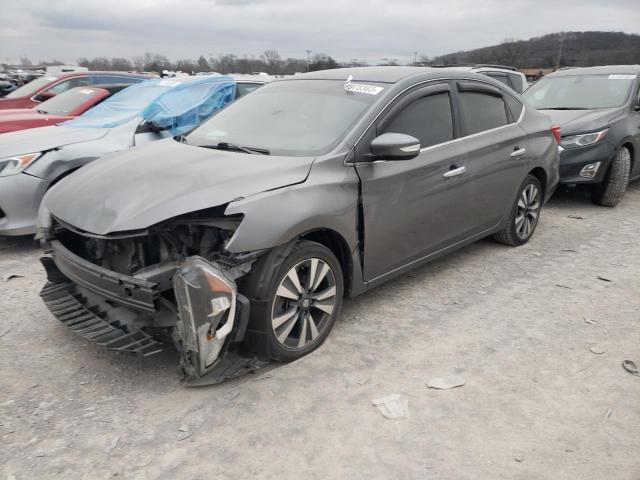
(543, 148)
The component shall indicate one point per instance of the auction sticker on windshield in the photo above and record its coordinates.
(622, 77)
(361, 87)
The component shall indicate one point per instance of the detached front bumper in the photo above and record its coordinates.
(126, 313)
(20, 197)
(574, 160)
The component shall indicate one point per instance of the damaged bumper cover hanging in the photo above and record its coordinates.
(210, 315)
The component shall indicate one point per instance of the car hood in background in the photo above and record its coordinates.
(22, 118)
(579, 121)
(140, 187)
(45, 138)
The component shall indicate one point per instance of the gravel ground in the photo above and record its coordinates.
(519, 324)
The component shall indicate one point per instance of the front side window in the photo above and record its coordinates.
(482, 111)
(289, 117)
(580, 92)
(428, 119)
(67, 102)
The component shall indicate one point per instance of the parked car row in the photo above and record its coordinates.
(236, 235)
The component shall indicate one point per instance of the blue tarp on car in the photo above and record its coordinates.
(175, 106)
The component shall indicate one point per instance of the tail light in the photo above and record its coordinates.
(555, 130)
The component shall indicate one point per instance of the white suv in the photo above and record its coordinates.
(510, 76)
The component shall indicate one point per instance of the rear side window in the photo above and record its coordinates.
(428, 119)
(243, 88)
(516, 82)
(515, 107)
(482, 111)
(106, 79)
(501, 77)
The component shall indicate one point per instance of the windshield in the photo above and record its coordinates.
(32, 87)
(67, 102)
(291, 117)
(122, 106)
(580, 91)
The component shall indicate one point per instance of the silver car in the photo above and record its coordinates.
(31, 161)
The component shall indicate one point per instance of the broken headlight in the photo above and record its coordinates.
(206, 308)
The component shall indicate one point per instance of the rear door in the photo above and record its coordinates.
(496, 147)
(409, 206)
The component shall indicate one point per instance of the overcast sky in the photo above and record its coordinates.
(371, 30)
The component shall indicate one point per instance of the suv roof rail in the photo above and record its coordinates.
(476, 65)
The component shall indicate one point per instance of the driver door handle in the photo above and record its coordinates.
(518, 152)
(455, 172)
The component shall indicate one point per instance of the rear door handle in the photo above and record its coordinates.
(455, 172)
(518, 152)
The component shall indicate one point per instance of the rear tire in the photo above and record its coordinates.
(611, 190)
(525, 214)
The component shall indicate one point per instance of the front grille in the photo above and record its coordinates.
(73, 310)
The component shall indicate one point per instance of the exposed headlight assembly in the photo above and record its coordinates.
(583, 139)
(13, 165)
(206, 309)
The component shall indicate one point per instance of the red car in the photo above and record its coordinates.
(49, 86)
(62, 107)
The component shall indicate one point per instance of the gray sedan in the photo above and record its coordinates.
(238, 242)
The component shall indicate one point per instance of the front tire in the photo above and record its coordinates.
(524, 214)
(303, 296)
(611, 190)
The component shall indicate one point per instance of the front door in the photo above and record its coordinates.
(411, 207)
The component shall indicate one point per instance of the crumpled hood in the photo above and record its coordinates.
(579, 121)
(140, 187)
(45, 138)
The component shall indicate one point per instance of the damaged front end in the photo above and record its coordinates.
(172, 284)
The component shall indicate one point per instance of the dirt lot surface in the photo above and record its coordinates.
(521, 325)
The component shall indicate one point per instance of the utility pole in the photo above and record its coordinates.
(415, 58)
(308, 60)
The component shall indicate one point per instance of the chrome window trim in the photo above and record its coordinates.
(439, 145)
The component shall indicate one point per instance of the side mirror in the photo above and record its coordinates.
(395, 146)
(41, 97)
(636, 107)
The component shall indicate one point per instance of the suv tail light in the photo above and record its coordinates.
(555, 130)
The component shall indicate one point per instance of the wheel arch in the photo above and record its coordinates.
(542, 177)
(339, 247)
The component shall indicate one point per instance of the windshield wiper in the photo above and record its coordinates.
(231, 146)
(566, 108)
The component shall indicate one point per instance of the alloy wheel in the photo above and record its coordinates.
(303, 304)
(528, 211)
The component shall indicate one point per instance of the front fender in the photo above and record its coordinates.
(327, 200)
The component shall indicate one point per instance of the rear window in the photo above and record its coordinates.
(67, 102)
(32, 87)
(482, 111)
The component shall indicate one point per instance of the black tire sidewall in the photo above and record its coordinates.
(531, 179)
(303, 250)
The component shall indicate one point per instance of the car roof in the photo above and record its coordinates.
(603, 70)
(479, 66)
(86, 73)
(384, 74)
